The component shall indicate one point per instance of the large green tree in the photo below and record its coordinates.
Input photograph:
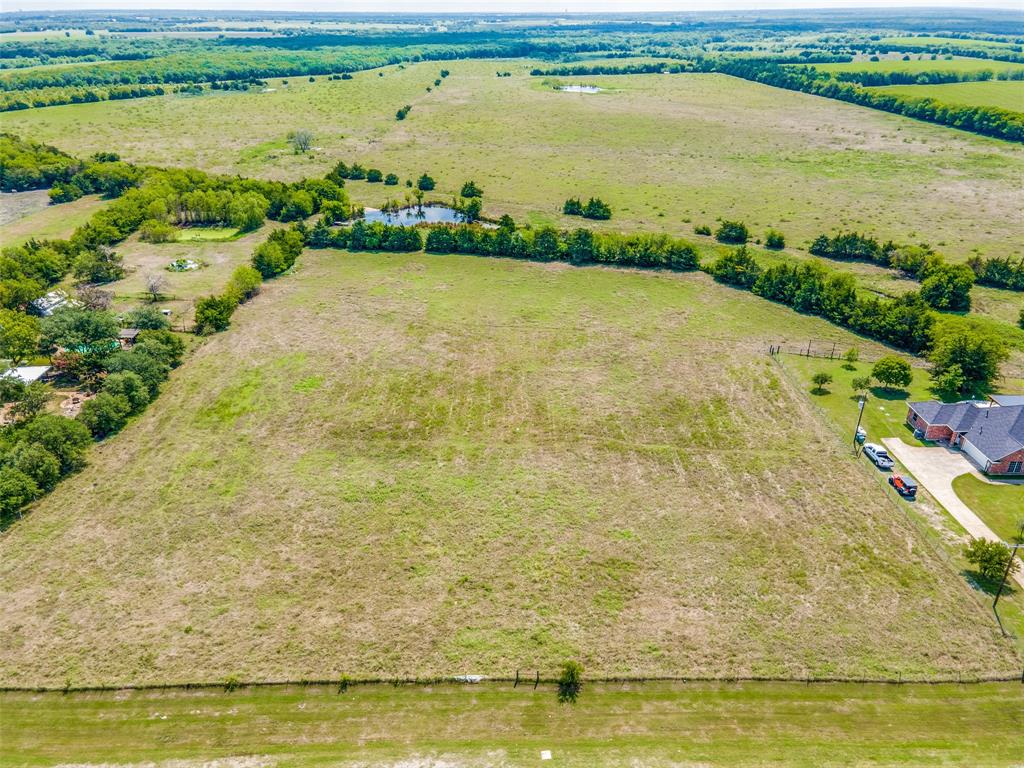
(974, 355)
(19, 336)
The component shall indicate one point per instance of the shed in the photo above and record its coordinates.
(28, 373)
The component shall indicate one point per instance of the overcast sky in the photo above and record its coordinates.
(507, 6)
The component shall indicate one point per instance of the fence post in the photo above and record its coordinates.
(516, 685)
(537, 681)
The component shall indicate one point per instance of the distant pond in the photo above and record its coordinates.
(580, 88)
(410, 217)
(413, 215)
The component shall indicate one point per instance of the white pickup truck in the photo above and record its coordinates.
(878, 455)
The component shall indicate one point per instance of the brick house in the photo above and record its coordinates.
(990, 434)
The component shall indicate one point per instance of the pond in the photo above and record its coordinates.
(580, 88)
(410, 217)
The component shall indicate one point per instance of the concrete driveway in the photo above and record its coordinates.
(935, 468)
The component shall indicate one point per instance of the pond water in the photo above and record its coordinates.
(580, 88)
(410, 217)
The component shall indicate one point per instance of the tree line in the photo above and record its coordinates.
(27, 164)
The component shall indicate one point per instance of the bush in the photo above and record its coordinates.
(732, 232)
(130, 386)
(65, 438)
(774, 239)
(374, 176)
(892, 372)
(570, 682)
(572, 207)
(403, 112)
(391, 180)
(597, 209)
(736, 268)
(154, 231)
(37, 463)
(470, 189)
(213, 313)
(16, 490)
(105, 414)
(146, 319)
(425, 183)
(702, 229)
(245, 283)
(990, 558)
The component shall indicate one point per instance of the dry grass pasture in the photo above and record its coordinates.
(24, 215)
(416, 465)
(666, 151)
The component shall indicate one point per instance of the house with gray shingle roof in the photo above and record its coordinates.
(987, 431)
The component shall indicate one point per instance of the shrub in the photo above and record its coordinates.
(403, 112)
(736, 268)
(374, 176)
(470, 189)
(850, 357)
(990, 558)
(597, 209)
(861, 383)
(425, 183)
(774, 239)
(245, 283)
(702, 229)
(130, 386)
(391, 180)
(572, 207)
(213, 313)
(146, 319)
(65, 438)
(732, 232)
(105, 414)
(153, 231)
(892, 372)
(16, 490)
(570, 682)
(37, 463)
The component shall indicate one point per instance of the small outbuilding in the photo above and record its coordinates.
(28, 374)
(126, 337)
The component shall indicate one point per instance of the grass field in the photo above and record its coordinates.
(1000, 506)
(32, 216)
(926, 64)
(1005, 94)
(653, 724)
(398, 465)
(208, 234)
(668, 151)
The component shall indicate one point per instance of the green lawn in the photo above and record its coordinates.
(672, 150)
(1000, 506)
(1005, 94)
(208, 234)
(431, 465)
(490, 724)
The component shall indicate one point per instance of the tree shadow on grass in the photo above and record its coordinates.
(889, 395)
(988, 586)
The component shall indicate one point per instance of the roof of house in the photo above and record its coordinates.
(995, 430)
(128, 333)
(1008, 399)
(28, 373)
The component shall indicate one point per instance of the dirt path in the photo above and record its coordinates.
(935, 469)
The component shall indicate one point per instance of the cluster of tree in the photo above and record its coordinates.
(594, 208)
(213, 313)
(357, 172)
(905, 322)
(951, 49)
(999, 272)
(12, 101)
(364, 236)
(26, 164)
(38, 449)
(944, 286)
(872, 78)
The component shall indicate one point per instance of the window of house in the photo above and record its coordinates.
(1015, 467)
(913, 417)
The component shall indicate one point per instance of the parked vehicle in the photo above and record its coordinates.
(878, 455)
(905, 486)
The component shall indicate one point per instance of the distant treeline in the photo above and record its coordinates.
(933, 77)
(1000, 54)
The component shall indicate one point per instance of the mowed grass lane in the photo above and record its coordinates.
(432, 465)
(653, 724)
(666, 151)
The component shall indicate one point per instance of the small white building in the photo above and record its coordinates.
(27, 374)
(51, 302)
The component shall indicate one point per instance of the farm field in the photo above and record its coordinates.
(453, 465)
(28, 214)
(921, 63)
(1005, 94)
(653, 724)
(670, 151)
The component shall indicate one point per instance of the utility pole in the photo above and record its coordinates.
(860, 414)
(1009, 564)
